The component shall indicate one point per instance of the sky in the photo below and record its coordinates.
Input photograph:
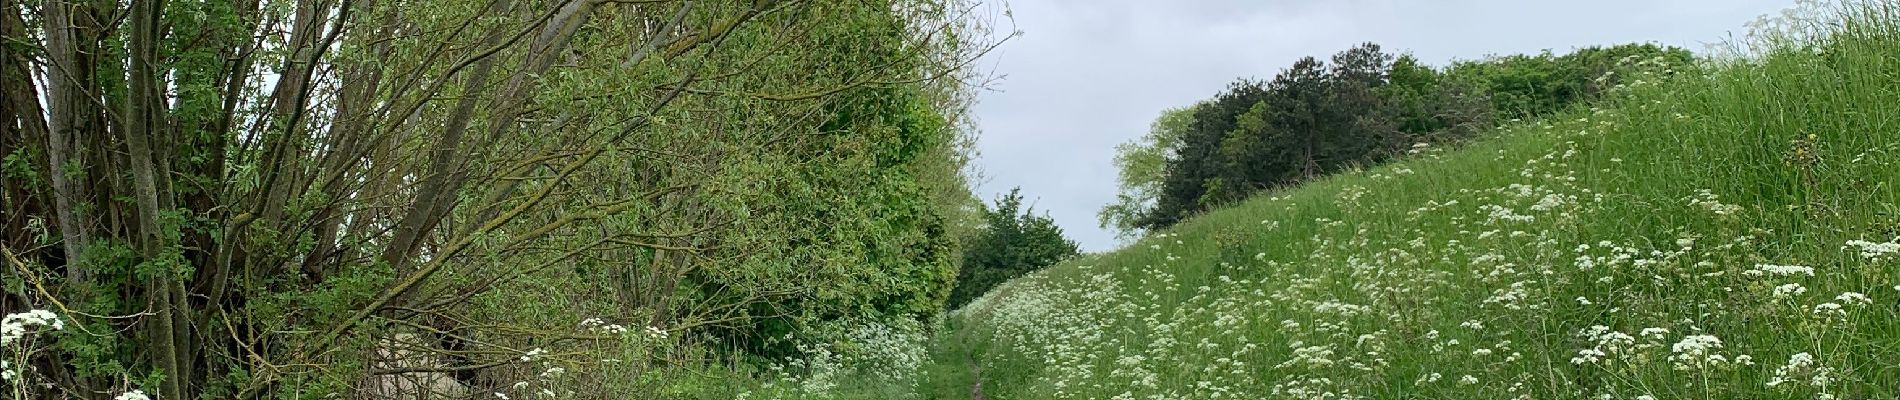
(1089, 74)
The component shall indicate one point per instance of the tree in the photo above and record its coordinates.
(1142, 166)
(1015, 242)
(260, 192)
(1194, 163)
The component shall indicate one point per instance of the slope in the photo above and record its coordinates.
(1727, 232)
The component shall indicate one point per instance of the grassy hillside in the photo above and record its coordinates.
(1727, 232)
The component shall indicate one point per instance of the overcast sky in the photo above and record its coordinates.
(1089, 74)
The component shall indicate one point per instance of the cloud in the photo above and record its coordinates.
(1090, 74)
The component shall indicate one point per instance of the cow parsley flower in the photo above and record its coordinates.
(1789, 290)
(1780, 270)
(1501, 213)
(1802, 367)
(1853, 298)
(1874, 249)
(1607, 342)
(135, 394)
(14, 326)
(1654, 333)
(1549, 202)
(1829, 310)
(1708, 200)
(1696, 351)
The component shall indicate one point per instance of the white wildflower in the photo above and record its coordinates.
(1789, 290)
(1709, 201)
(1780, 270)
(1829, 309)
(15, 326)
(1695, 351)
(1501, 213)
(1853, 298)
(1549, 202)
(1654, 333)
(1587, 356)
(1875, 249)
(1802, 367)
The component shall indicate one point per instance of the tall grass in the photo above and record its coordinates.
(1724, 232)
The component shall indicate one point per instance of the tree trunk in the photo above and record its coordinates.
(69, 77)
(142, 121)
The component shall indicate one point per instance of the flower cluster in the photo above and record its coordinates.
(1708, 200)
(1802, 368)
(1697, 351)
(1874, 249)
(16, 326)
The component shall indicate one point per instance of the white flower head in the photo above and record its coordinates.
(1874, 249)
(1829, 310)
(1780, 270)
(1789, 290)
(1696, 351)
(1802, 368)
(1855, 298)
(16, 326)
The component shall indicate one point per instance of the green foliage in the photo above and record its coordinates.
(1015, 242)
(474, 181)
(1142, 164)
(1523, 85)
(1359, 108)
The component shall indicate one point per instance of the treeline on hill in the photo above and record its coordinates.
(1362, 107)
(442, 198)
